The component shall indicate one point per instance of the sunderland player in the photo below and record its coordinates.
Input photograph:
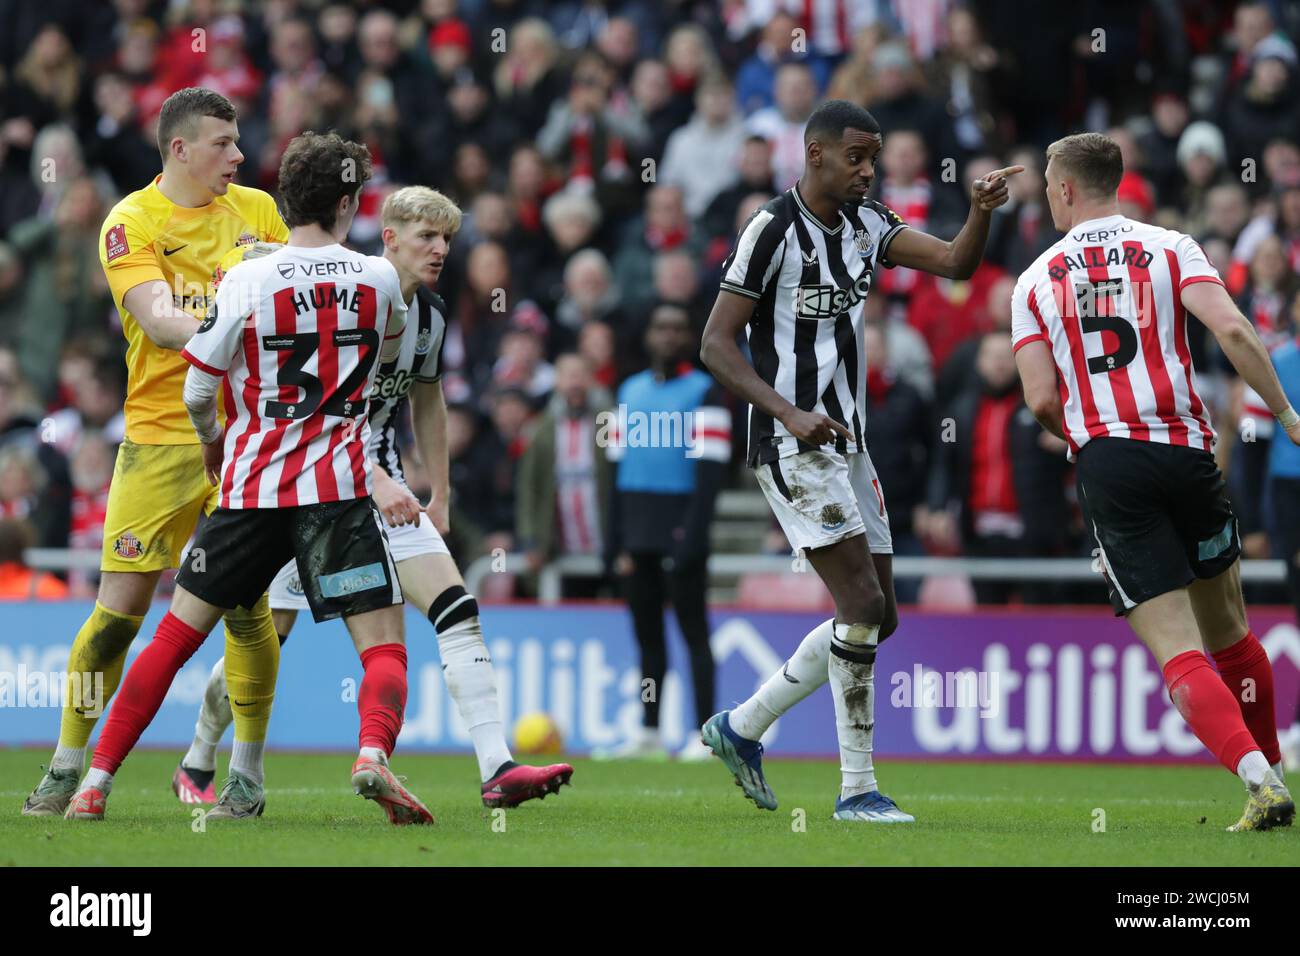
(294, 336)
(1099, 325)
(419, 224)
(798, 276)
(159, 247)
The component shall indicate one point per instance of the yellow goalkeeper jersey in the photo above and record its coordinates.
(148, 238)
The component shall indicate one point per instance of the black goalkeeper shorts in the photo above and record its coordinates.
(1160, 515)
(341, 548)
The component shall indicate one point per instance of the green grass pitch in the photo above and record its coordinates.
(645, 813)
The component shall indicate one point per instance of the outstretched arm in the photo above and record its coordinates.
(959, 258)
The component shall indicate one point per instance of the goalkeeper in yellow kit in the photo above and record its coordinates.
(159, 248)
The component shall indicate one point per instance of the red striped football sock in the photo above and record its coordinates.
(1209, 708)
(382, 697)
(1246, 670)
(143, 690)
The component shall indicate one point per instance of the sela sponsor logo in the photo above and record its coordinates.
(75, 909)
(828, 301)
(115, 243)
(128, 546)
(396, 385)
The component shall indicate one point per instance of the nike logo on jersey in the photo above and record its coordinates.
(168, 252)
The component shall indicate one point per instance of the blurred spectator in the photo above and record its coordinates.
(665, 227)
(756, 80)
(589, 294)
(754, 167)
(572, 222)
(782, 125)
(655, 107)
(949, 311)
(906, 188)
(118, 144)
(997, 482)
(96, 409)
(1169, 116)
(899, 101)
(521, 356)
(900, 432)
(37, 483)
(91, 467)
(1022, 230)
(965, 74)
(17, 581)
(564, 476)
(66, 295)
(658, 538)
(1264, 106)
(596, 345)
(511, 411)
(702, 158)
(527, 79)
(1202, 156)
(594, 144)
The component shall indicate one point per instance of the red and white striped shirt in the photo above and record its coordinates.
(1107, 301)
(297, 336)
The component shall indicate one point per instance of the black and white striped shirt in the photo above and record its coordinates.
(419, 360)
(810, 283)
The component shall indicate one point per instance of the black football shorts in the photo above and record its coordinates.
(341, 548)
(1160, 515)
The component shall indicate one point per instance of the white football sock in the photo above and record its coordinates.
(1253, 768)
(68, 758)
(375, 754)
(853, 689)
(214, 717)
(467, 668)
(100, 779)
(802, 674)
(246, 760)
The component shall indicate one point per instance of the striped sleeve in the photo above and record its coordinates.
(711, 429)
(1193, 264)
(754, 261)
(429, 369)
(1024, 326)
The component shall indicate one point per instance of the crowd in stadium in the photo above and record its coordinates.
(606, 155)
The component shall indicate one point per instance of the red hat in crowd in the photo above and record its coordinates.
(1134, 189)
(450, 33)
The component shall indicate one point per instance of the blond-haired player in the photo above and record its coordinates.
(159, 248)
(418, 226)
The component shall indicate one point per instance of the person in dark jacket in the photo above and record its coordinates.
(564, 476)
(671, 438)
(995, 483)
(899, 425)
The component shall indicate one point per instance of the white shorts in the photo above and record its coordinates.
(404, 541)
(820, 497)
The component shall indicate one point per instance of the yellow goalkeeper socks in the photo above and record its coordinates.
(94, 671)
(252, 664)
